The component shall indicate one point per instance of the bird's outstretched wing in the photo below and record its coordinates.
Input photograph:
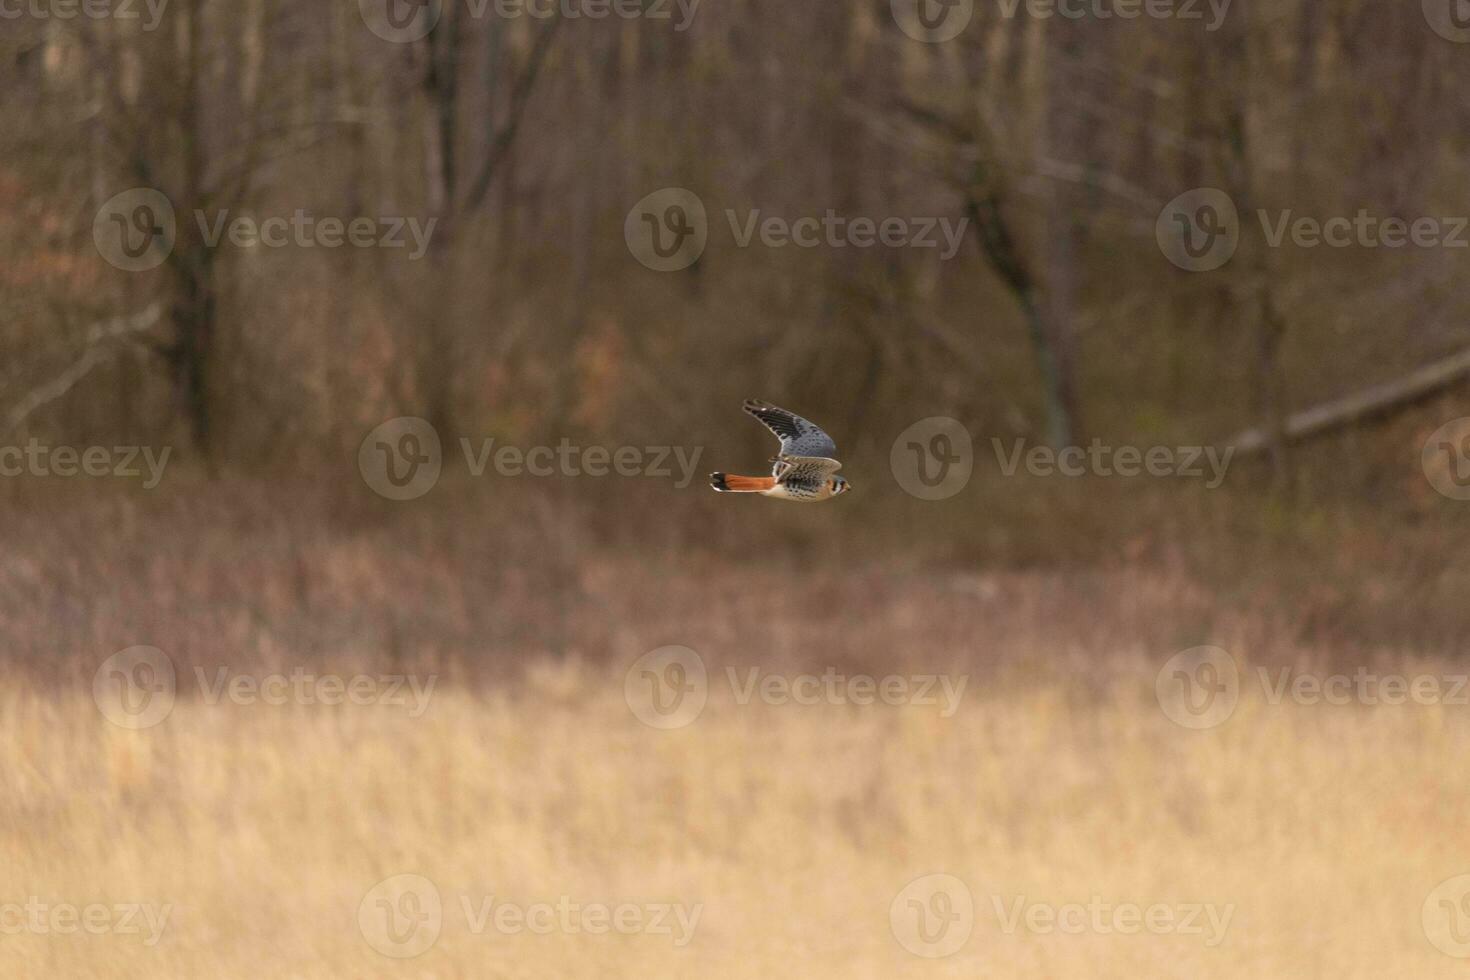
(798, 436)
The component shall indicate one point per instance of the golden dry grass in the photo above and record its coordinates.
(793, 826)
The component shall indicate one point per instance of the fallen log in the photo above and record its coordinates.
(1374, 402)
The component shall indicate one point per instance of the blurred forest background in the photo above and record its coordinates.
(527, 141)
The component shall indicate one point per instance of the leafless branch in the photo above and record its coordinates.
(520, 97)
(1376, 401)
(102, 346)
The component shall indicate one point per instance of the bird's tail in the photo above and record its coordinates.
(726, 483)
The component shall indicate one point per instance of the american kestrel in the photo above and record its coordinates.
(804, 468)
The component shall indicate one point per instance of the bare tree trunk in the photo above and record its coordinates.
(455, 197)
(987, 198)
(1057, 331)
(986, 214)
(194, 313)
(1235, 67)
(441, 86)
(195, 307)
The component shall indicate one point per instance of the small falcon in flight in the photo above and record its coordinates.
(805, 468)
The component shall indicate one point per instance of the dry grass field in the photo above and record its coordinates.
(1089, 833)
(1320, 832)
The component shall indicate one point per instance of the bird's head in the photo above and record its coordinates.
(840, 486)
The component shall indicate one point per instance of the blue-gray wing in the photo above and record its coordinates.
(798, 436)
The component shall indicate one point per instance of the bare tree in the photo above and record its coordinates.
(459, 172)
